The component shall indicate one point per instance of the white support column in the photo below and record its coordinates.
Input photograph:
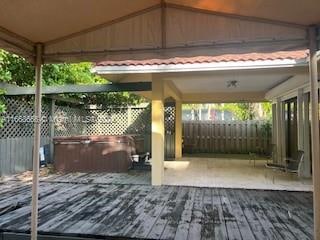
(313, 73)
(157, 131)
(300, 118)
(178, 130)
(36, 145)
(306, 168)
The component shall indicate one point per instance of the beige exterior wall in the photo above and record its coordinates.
(157, 131)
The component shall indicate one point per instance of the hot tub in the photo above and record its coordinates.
(93, 153)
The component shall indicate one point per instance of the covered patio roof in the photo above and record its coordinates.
(204, 79)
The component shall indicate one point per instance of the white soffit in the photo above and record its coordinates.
(247, 81)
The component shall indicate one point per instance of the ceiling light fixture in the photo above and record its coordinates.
(232, 84)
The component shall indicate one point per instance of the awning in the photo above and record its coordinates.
(91, 30)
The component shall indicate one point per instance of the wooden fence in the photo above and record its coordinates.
(226, 137)
(16, 154)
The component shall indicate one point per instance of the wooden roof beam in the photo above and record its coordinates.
(12, 90)
(17, 43)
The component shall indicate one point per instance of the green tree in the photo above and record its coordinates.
(267, 109)
(15, 70)
(242, 111)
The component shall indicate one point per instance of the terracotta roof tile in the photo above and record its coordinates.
(292, 55)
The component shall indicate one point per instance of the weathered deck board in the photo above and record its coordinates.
(268, 227)
(143, 225)
(100, 207)
(219, 221)
(244, 227)
(229, 217)
(184, 222)
(287, 231)
(164, 218)
(279, 229)
(175, 216)
(196, 216)
(296, 214)
(208, 226)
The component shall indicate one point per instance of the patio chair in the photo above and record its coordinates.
(253, 156)
(273, 153)
(290, 166)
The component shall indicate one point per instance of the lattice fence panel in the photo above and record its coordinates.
(107, 122)
(169, 119)
(140, 121)
(169, 124)
(113, 121)
(68, 121)
(19, 119)
(71, 121)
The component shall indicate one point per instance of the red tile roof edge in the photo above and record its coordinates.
(281, 55)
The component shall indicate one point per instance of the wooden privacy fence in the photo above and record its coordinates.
(226, 137)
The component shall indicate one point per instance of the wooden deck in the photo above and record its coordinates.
(90, 209)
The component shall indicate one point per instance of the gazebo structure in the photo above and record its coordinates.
(73, 31)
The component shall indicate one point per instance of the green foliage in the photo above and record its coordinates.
(266, 128)
(192, 106)
(15, 70)
(267, 109)
(59, 74)
(113, 99)
(242, 111)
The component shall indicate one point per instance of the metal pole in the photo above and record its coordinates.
(52, 111)
(36, 145)
(279, 131)
(313, 73)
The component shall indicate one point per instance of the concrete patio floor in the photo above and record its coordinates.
(231, 173)
(190, 171)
